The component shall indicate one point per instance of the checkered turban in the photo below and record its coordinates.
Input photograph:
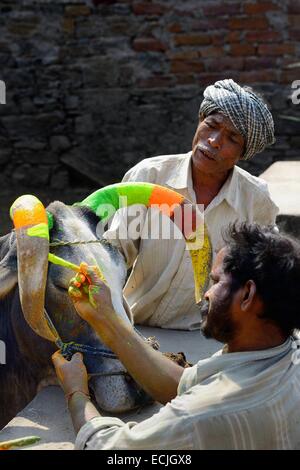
(247, 112)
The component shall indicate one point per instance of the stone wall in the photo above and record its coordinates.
(95, 86)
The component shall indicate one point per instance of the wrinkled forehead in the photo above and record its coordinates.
(223, 120)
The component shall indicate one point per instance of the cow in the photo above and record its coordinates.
(26, 331)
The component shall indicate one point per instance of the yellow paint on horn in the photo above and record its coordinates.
(39, 230)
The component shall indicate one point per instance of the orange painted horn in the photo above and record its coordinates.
(32, 233)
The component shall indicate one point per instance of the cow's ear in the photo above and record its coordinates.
(8, 279)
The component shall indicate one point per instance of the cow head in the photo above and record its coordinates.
(44, 286)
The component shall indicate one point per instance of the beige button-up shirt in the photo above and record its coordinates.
(160, 288)
(247, 400)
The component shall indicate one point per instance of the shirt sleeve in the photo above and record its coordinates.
(188, 379)
(265, 211)
(170, 428)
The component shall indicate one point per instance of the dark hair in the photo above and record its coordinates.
(272, 261)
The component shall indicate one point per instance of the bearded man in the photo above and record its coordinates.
(245, 396)
(234, 124)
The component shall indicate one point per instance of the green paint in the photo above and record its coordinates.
(61, 262)
(108, 195)
(50, 220)
(23, 441)
(39, 230)
(136, 193)
(93, 290)
(139, 193)
(75, 292)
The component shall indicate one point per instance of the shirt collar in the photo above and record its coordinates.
(181, 176)
(229, 192)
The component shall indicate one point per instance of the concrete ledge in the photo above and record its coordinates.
(47, 415)
(283, 179)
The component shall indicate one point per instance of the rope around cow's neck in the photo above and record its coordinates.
(68, 349)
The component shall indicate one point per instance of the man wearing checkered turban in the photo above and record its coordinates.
(248, 113)
(234, 125)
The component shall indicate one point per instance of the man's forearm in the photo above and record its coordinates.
(156, 374)
(81, 410)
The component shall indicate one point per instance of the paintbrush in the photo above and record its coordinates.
(21, 442)
(61, 262)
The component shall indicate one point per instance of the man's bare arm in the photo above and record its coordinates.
(156, 374)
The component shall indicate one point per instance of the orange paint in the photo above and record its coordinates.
(165, 197)
(33, 214)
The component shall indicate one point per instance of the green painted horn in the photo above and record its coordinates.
(197, 237)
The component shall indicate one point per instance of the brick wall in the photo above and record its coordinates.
(93, 87)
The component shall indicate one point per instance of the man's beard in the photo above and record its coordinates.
(218, 323)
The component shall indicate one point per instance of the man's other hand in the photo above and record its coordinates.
(72, 374)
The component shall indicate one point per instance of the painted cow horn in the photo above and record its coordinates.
(168, 202)
(30, 220)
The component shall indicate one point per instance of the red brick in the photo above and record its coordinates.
(294, 7)
(210, 78)
(259, 76)
(77, 10)
(287, 61)
(209, 24)
(174, 28)
(242, 49)
(249, 23)
(294, 21)
(259, 7)
(294, 34)
(263, 36)
(211, 51)
(185, 79)
(68, 25)
(226, 63)
(148, 44)
(254, 63)
(217, 39)
(186, 10)
(149, 9)
(222, 9)
(105, 2)
(183, 55)
(288, 76)
(233, 36)
(198, 25)
(216, 23)
(180, 66)
(191, 39)
(156, 82)
(276, 49)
